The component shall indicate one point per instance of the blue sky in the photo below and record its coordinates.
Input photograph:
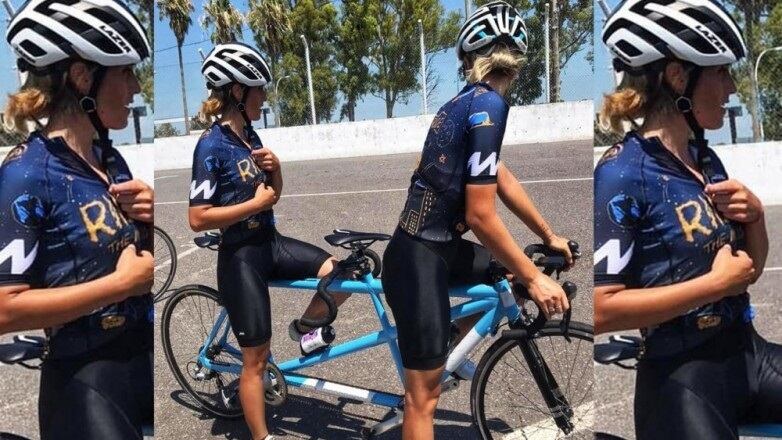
(576, 77)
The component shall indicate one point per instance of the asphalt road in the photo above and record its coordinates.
(363, 194)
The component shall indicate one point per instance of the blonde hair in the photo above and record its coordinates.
(501, 60)
(637, 97)
(214, 106)
(41, 96)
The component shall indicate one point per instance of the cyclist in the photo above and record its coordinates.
(453, 190)
(72, 219)
(236, 182)
(678, 242)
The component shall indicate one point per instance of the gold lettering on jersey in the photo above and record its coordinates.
(247, 168)
(112, 321)
(708, 321)
(716, 221)
(119, 217)
(97, 221)
(691, 223)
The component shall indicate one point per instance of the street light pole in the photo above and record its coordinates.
(757, 89)
(277, 100)
(423, 65)
(309, 78)
(547, 45)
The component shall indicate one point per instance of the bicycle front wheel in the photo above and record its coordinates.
(506, 401)
(189, 317)
(165, 263)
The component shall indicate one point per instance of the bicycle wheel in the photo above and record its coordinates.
(506, 401)
(165, 263)
(188, 318)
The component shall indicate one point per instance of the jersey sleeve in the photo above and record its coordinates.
(23, 212)
(618, 211)
(485, 129)
(206, 164)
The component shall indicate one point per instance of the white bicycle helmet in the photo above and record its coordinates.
(44, 32)
(492, 23)
(640, 32)
(235, 63)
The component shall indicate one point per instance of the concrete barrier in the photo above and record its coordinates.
(139, 158)
(757, 165)
(564, 121)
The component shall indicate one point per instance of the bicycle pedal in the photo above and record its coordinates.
(450, 384)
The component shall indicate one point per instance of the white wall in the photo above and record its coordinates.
(758, 166)
(565, 121)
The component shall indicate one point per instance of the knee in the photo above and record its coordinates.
(423, 400)
(254, 359)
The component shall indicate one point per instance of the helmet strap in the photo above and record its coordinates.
(685, 106)
(89, 104)
(241, 106)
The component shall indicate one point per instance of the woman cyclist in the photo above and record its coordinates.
(453, 190)
(73, 222)
(236, 181)
(678, 242)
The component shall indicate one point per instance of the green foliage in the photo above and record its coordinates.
(353, 42)
(144, 10)
(178, 13)
(224, 20)
(165, 130)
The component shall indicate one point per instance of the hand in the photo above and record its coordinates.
(561, 244)
(135, 270)
(136, 199)
(267, 160)
(548, 295)
(732, 273)
(265, 197)
(735, 201)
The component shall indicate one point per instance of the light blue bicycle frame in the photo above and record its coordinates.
(482, 298)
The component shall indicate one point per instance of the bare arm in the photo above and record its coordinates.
(757, 244)
(205, 217)
(516, 199)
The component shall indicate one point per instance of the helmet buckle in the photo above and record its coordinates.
(684, 104)
(88, 104)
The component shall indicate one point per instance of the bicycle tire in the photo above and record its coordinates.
(377, 263)
(582, 335)
(210, 402)
(159, 288)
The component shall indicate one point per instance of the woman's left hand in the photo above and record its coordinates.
(136, 199)
(266, 159)
(735, 201)
(561, 244)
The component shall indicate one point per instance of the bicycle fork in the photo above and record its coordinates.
(549, 388)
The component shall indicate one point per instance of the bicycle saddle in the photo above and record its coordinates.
(342, 237)
(19, 352)
(619, 348)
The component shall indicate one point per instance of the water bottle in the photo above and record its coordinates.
(317, 339)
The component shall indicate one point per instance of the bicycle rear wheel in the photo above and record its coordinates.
(165, 263)
(506, 401)
(188, 319)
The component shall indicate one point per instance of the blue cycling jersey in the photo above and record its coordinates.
(462, 146)
(224, 173)
(59, 225)
(655, 225)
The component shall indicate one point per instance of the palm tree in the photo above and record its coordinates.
(226, 20)
(270, 23)
(178, 14)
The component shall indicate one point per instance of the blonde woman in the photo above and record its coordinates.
(453, 190)
(236, 182)
(71, 219)
(678, 242)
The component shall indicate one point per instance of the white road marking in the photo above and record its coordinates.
(179, 255)
(371, 191)
(548, 429)
(772, 269)
(165, 177)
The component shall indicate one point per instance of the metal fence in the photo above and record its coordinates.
(767, 70)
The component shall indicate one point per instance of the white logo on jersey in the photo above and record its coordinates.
(476, 166)
(612, 251)
(19, 261)
(205, 187)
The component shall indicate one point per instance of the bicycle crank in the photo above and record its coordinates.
(274, 385)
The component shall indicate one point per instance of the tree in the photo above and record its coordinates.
(165, 130)
(270, 23)
(225, 20)
(353, 42)
(178, 14)
(570, 29)
(318, 23)
(144, 71)
(395, 53)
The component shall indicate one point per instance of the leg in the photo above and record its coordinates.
(317, 307)
(251, 391)
(767, 365)
(469, 265)
(422, 391)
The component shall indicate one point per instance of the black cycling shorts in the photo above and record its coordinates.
(243, 274)
(734, 379)
(416, 276)
(105, 394)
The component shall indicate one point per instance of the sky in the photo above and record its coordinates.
(168, 89)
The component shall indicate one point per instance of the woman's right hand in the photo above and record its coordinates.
(548, 295)
(136, 271)
(733, 273)
(264, 197)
